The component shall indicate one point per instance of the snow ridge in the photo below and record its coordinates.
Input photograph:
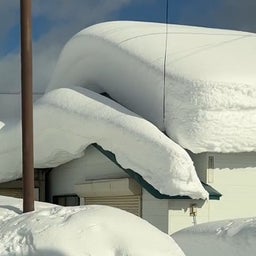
(210, 81)
(66, 121)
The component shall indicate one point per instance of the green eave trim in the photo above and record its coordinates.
(213, 194)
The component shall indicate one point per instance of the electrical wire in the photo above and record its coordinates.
(165, 56)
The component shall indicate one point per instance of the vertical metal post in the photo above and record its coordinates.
(27, 105)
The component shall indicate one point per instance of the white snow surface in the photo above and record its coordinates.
(210, 92)
(66, 121)
(90, 230)
(1, 125)
(223, 238)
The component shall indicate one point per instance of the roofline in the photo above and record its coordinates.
(213, 193)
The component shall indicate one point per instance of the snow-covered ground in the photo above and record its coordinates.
(65, 231)
(101, 230)
(223, 238)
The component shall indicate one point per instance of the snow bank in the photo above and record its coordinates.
(67, 121)
(222, 238)
(11, 207)
(210, 89)
(91, 230)
(1, 125)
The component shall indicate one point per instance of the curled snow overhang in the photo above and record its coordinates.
(66, 121)
(210, 90)
(213, 193)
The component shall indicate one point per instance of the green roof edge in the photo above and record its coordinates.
(213, 193)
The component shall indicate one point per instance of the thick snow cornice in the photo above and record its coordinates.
(66, 121)
(210, 93)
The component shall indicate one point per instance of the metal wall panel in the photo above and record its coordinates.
(130, 204)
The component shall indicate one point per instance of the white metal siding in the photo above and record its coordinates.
(155, 211)
(93, 165)
(130, 204)
(234, 176)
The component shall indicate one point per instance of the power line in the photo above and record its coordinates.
(165, 55)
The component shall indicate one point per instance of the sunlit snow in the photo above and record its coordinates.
(207, 103)
(67, 121)
(210, 90)
(223, 238)
(1, 125)
(85, 230)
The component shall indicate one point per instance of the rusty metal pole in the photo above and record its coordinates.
(27, 105)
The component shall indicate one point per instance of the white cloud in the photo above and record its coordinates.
(66, 17)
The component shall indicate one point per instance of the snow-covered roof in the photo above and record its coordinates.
(210, 90)
(66, 121)
(208, 97)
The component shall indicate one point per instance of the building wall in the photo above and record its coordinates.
(201, 164)
(234, 176)
(155, 211)
(179, 213)
(93, 165)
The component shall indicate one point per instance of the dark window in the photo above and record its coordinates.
(66, 200)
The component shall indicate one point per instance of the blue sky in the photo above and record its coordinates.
(55, 21)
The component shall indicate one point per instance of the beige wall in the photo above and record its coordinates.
(155, 211)
(234, 176)
(93, 165)
(179, 213)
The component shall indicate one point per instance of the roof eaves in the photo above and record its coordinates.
(213, 193)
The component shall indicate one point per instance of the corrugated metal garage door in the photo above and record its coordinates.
(130, 204)
(13, 192)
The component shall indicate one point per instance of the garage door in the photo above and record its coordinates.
(13, 192)
(130, 204)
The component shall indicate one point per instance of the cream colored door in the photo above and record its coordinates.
(130, 204)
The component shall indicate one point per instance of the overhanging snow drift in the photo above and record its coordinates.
(210, 79)
(66, 121)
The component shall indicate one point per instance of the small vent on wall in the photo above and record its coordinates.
(211, 162)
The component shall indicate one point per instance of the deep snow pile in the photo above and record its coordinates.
(223, 238)
(210, 90)
(66, 121)
(93, 230)
(11, 207)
